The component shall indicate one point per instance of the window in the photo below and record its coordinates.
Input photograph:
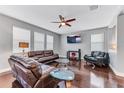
(97, 42)
(38, 41)
(49, 42)
(20, 35)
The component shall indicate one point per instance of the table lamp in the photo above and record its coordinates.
(114, 46)
(23, 45)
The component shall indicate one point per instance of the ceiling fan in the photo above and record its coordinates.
(64, 22)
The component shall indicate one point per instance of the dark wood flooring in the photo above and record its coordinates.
(84, 78)
(6, 81)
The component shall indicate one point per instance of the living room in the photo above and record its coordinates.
(45, 46)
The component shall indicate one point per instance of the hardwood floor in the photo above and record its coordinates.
(84, 78)
(6, 81)
(97, 78)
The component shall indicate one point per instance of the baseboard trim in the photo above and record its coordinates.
(5, 71)
(116, 72)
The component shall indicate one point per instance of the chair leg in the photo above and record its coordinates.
(93, 66)
(57, 64)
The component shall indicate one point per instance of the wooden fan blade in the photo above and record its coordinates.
(60, 25)
(55, 22)
(70, 20)
(68, 24)
(61, 18)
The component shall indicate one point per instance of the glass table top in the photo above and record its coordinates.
(62, 74)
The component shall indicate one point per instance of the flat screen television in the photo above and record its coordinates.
(74, 39)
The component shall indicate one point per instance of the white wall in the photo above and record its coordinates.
(85, 45)
(120, 43)
(5, 43)
(112, 39)
(116, 35)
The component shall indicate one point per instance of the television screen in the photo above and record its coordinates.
(74, 39)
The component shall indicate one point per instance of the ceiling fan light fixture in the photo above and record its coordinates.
(62, 23)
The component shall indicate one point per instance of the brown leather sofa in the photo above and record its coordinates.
(45, 56)
(30, 73)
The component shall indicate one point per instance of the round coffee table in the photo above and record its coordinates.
(64, 75)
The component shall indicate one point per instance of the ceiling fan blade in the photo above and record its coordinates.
(61, 18)
(55, 22)
(60, 25)
(70, 20)
(68, 24)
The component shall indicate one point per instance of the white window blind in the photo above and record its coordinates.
(38, 41)
(49, 42)
(97, 42)
(20, 35)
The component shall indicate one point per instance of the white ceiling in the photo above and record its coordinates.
(43, 15)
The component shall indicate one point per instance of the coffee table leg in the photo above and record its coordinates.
(68, 84)
(57, 65)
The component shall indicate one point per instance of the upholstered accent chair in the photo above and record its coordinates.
(97, 58)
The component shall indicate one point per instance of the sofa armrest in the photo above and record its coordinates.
(88, 55)
(46, 69)
(56, 54)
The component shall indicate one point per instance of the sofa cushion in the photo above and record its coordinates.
(39, 56)
(35, 58)
(35, 53)
(101, 54)
(48, 53)
(54, 56)
(44, 59)
(95, 53)
(39, 52)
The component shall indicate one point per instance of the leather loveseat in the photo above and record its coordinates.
(30, 73)
(45, 56)
(97, 58)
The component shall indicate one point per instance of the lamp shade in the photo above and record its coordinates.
(114, 46)
(23, 44)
